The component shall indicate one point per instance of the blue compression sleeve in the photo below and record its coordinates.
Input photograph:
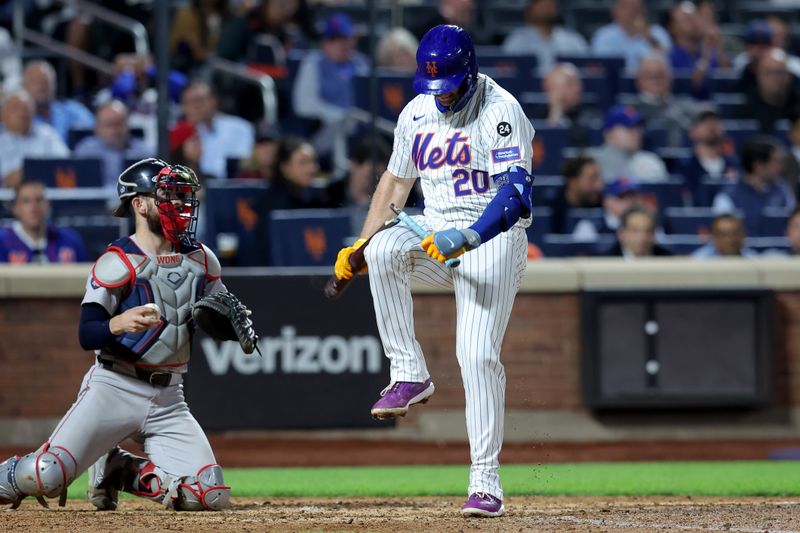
(93, 331)
(500, 215)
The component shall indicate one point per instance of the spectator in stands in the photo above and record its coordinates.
(793, 232)
(195, 32)
(397, 51)
(356, 189)
(323, 89)
(727, 239)
(630, 35)
(458, 12)
(223, 136)
(30, 239)
(296, 169)
(791, 165)
(134, 85)
(583, 188)
(565, 107)
(621, 154)
(288, 21)
(21, 137)
(760, 185)
(775, 93)
(543, 37)
(636, 236)
(708, 160)
(696, 46)
(113, 143)
(261, 163)
(657, 104)
(757, 39)
(618, 196)
(186, 147)
(10, 64)
(782, 39)
(39, 80)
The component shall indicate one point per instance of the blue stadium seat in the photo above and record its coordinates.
(541, 224)
(673, 157)
(768, 245)
(496, 63)
(233, 212)
(568, 246)
(681, 244)
(594, 216)
(308, 237)
(546, 188)
(76, 135)
(608, 67)
(729, 104)
(723, 82)
(394, 92)
(660, 196)
(64, 173)
(681, 84)
(773, 222)
(688, 220)
(707, 190)
(548, 143)
(739, 131)
(96, 231)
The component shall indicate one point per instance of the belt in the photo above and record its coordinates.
(155, 378)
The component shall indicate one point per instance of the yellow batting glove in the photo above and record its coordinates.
(342, 267)
(430, 247)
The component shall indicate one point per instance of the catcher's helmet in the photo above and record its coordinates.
(445, 60)
(139, 178)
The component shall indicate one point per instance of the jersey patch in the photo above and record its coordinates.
(510, 153)
(504, 129)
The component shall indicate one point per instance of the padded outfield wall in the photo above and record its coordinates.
(322, 364)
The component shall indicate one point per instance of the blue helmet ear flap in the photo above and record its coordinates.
(445, 59)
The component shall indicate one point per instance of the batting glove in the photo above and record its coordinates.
(444, 245)
(342, 267)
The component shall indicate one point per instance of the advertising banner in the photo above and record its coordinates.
(322, 363)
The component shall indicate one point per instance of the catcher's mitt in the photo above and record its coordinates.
(224, 317)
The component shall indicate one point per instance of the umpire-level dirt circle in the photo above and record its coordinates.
(425, 515)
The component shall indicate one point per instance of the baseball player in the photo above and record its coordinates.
(469, 142)
(135, 316)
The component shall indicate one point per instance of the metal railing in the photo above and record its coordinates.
(134, 27)
(264, 82)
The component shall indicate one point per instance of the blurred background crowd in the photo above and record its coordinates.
(662, 127)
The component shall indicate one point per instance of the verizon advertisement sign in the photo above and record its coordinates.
(322, 363)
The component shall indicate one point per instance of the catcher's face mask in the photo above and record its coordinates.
(176, 201)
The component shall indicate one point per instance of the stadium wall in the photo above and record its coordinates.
(43, 364)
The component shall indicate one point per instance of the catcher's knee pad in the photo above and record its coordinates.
(44, 473)
(204, 491)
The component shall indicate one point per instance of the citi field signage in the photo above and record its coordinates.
(322, 362)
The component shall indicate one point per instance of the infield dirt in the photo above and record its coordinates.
(427, 515)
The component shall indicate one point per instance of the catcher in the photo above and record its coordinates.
(138, 315)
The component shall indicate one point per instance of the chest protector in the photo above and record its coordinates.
(173, 282)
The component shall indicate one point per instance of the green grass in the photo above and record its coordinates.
(741, 478)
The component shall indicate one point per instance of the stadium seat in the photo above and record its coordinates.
(724, 82)
(540, 226)
(496, 63)
(768, 245)
(568, 246)
(546, 189)
(608, 67)
(394, 92)
(773, 222)
(96, 231)
(673, 157)
(739, 131)
(76, 135)
(64, 173)
(231, 219)
(681, 244)
(593, 216)
(688, 220)
(660, 196)
(308, 237)
(548, 144)
(707, 189)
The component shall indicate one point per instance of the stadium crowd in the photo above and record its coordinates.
(663, 128)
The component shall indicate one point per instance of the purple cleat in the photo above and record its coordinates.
(397, 397)
(483, 505)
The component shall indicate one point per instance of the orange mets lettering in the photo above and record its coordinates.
(432, 69)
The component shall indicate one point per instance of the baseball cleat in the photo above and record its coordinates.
(484, 505)
(106, 478)
(399, 396)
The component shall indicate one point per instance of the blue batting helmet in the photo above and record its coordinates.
(445, 58)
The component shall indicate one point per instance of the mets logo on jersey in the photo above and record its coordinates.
(431, 68)
(456, 151)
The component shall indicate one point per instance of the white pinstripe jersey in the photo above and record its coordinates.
(456, 154)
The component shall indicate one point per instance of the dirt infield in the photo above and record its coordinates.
(427, 515)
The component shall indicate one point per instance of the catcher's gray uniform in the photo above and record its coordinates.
(142, 399)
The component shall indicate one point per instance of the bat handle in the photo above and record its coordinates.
(453, 262)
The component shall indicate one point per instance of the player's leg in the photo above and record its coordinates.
(486, 283)
(394, 258)
(180, 471)
(87, 430)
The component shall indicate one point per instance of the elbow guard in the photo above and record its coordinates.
(512, 202)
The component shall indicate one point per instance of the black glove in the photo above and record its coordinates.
(225, 318)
